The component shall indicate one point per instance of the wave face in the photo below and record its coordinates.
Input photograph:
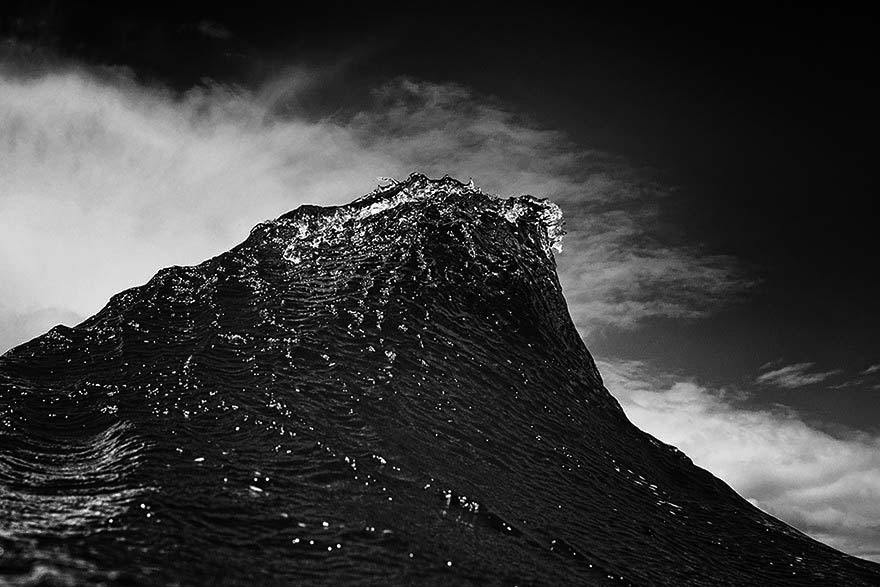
(390, 391)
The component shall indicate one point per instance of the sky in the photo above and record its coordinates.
(714, 168)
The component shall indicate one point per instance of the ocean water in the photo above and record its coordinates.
(389, 392)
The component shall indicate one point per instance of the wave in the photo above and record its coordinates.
(389, 391)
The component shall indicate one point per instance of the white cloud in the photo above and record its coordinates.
(793, 376)
(105, 181)
(827, 486)
(871, 370)
(615, 280)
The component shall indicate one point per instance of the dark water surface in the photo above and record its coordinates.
(386, 392)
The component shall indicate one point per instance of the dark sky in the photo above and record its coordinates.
(759, 122)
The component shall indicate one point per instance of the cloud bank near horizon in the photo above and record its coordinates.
(826, 486)
(107, 180)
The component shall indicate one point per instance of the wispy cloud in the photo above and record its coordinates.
(827, 486)
(794, 376)
(214, 30)
(616, 280)
(871, 370)
(106, 180)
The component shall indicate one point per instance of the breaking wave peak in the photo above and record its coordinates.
(388, 391)
(539, 216)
